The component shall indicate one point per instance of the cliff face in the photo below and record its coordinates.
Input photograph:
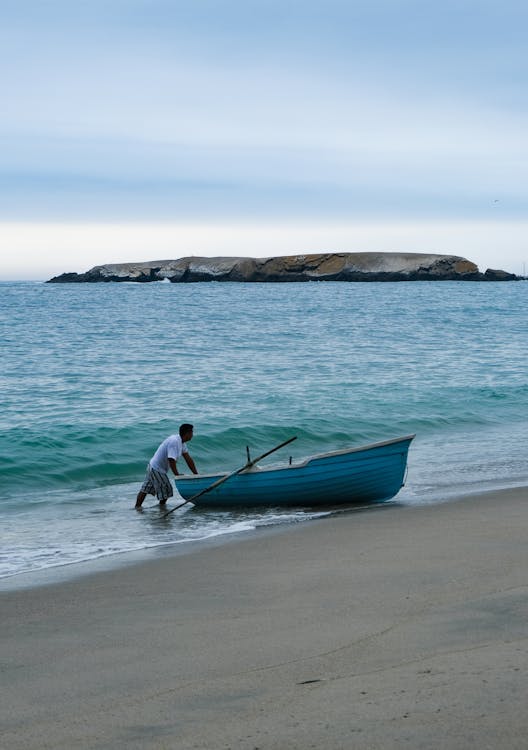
(314, 267)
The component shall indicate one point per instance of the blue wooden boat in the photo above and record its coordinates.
(369, 474)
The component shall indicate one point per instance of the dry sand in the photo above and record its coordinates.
(394, 628)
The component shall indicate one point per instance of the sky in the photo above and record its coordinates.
(152, 129)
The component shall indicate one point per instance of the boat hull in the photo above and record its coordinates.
(371, 474)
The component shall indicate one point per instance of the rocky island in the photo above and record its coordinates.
(311, 267)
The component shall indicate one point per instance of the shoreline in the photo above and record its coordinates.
(400, 628)
(70, 571)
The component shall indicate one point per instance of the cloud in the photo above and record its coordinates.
(129, 110)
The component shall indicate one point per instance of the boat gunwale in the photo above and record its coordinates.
(289, 467)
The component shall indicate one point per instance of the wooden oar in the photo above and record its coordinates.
(220, 481)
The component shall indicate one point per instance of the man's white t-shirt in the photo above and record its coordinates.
(172, 447)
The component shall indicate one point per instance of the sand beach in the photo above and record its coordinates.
(391, 628)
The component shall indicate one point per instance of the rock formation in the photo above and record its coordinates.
(312, 267)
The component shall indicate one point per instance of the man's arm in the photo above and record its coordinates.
(190, 463)
(172, 464)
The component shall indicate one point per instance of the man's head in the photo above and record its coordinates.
(186, 432)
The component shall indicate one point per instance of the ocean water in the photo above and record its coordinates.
(94, 376)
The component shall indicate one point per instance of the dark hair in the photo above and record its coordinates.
(185, 429)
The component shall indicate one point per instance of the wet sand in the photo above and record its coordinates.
(393, 628)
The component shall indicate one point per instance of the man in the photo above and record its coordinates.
(156, 480)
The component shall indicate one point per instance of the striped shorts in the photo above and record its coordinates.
(157, 483)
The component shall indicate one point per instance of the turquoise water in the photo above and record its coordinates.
(95, 376)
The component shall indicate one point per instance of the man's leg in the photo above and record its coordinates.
(139, 500)
(163, 488)
(156, 483)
